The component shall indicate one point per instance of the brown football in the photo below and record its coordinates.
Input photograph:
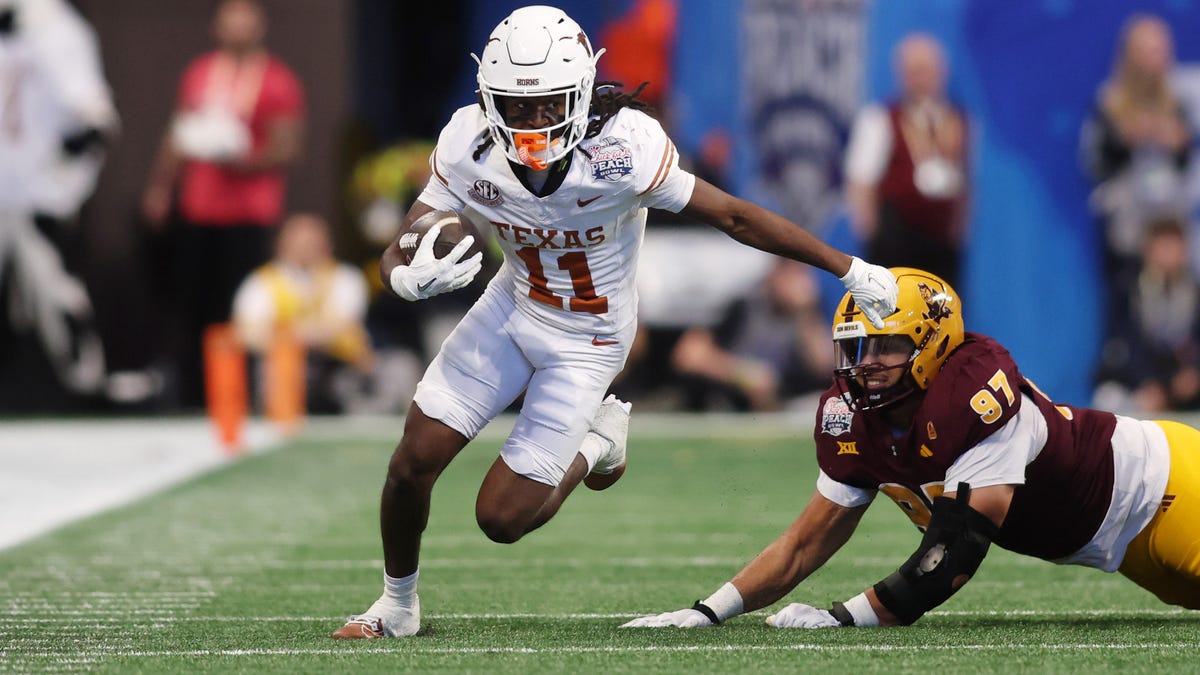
(455, 228)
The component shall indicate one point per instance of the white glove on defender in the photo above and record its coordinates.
(427, 276)
(874, 289)
(683, 618)
(799, 615)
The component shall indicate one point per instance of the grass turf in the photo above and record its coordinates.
(250, 569)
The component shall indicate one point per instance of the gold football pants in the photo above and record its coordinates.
(1165, 557)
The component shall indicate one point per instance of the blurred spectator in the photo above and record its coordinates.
(236, 128)
(56, 111)
(1136, 145)
(308, 295)
(670, 304)
(1151, 359)
(771, 347)
(906, 168)
(405, 334)
(640, 45)
(382, 186)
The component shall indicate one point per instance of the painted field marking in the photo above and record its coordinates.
(115, 617)
(409, 650)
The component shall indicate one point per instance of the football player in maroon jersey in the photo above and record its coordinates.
(943, 422)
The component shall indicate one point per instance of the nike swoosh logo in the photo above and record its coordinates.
(596, 341)
(584, 202)
(425, 286)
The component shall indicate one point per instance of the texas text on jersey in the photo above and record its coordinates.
(570, 252)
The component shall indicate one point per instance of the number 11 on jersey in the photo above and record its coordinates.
(574, 264)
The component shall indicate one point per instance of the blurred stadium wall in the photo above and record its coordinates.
(378, 70)
(1026, 71)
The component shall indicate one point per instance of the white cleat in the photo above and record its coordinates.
(398, 622)
(609, 429)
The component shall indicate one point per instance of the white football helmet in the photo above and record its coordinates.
(537, 51)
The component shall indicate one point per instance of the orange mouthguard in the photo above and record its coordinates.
(529, 146)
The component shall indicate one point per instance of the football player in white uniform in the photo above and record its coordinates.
(56, 116)
(563, 170)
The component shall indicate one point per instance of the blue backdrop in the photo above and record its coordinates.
(1027, 72)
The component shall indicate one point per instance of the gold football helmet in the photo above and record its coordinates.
(927, 325)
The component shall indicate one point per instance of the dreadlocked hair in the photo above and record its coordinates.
(607, 101)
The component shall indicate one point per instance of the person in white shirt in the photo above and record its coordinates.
(562, 170)
(907, 186)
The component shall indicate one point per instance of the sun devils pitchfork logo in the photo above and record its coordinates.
(935, 303)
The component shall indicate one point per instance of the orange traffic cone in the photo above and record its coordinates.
(285, 391)
(225, 384)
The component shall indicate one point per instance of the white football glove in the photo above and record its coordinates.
(874, 289)
(427, 276)
(799, 615)
(682, 618)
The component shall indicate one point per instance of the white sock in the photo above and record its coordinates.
(400, 591)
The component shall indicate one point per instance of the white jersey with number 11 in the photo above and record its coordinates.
(570, 257)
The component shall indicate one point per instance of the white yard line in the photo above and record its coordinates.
(388, 647)
(106, 617)
(53, 472)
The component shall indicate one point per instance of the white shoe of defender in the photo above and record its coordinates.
(610, 429)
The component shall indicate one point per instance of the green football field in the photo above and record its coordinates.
(250, 568)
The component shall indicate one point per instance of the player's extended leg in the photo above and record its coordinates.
(564, 431)
(510, 505)
(425, 450)
(1165, 557)
(478, 372)
(59, 307)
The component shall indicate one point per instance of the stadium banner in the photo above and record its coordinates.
(801, 68)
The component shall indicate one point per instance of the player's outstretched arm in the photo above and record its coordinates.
(873, 287)
(962, 527)
(819, 531)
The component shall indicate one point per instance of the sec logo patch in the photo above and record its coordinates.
(486, 193)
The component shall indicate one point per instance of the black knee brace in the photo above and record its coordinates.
(954, 545)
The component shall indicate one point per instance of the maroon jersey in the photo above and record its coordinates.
(1067, 487)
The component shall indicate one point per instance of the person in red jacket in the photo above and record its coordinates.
(944, 423)
(237, 127)
(906, 167)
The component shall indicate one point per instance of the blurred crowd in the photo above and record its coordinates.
(1137, 147)
(752, 334)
